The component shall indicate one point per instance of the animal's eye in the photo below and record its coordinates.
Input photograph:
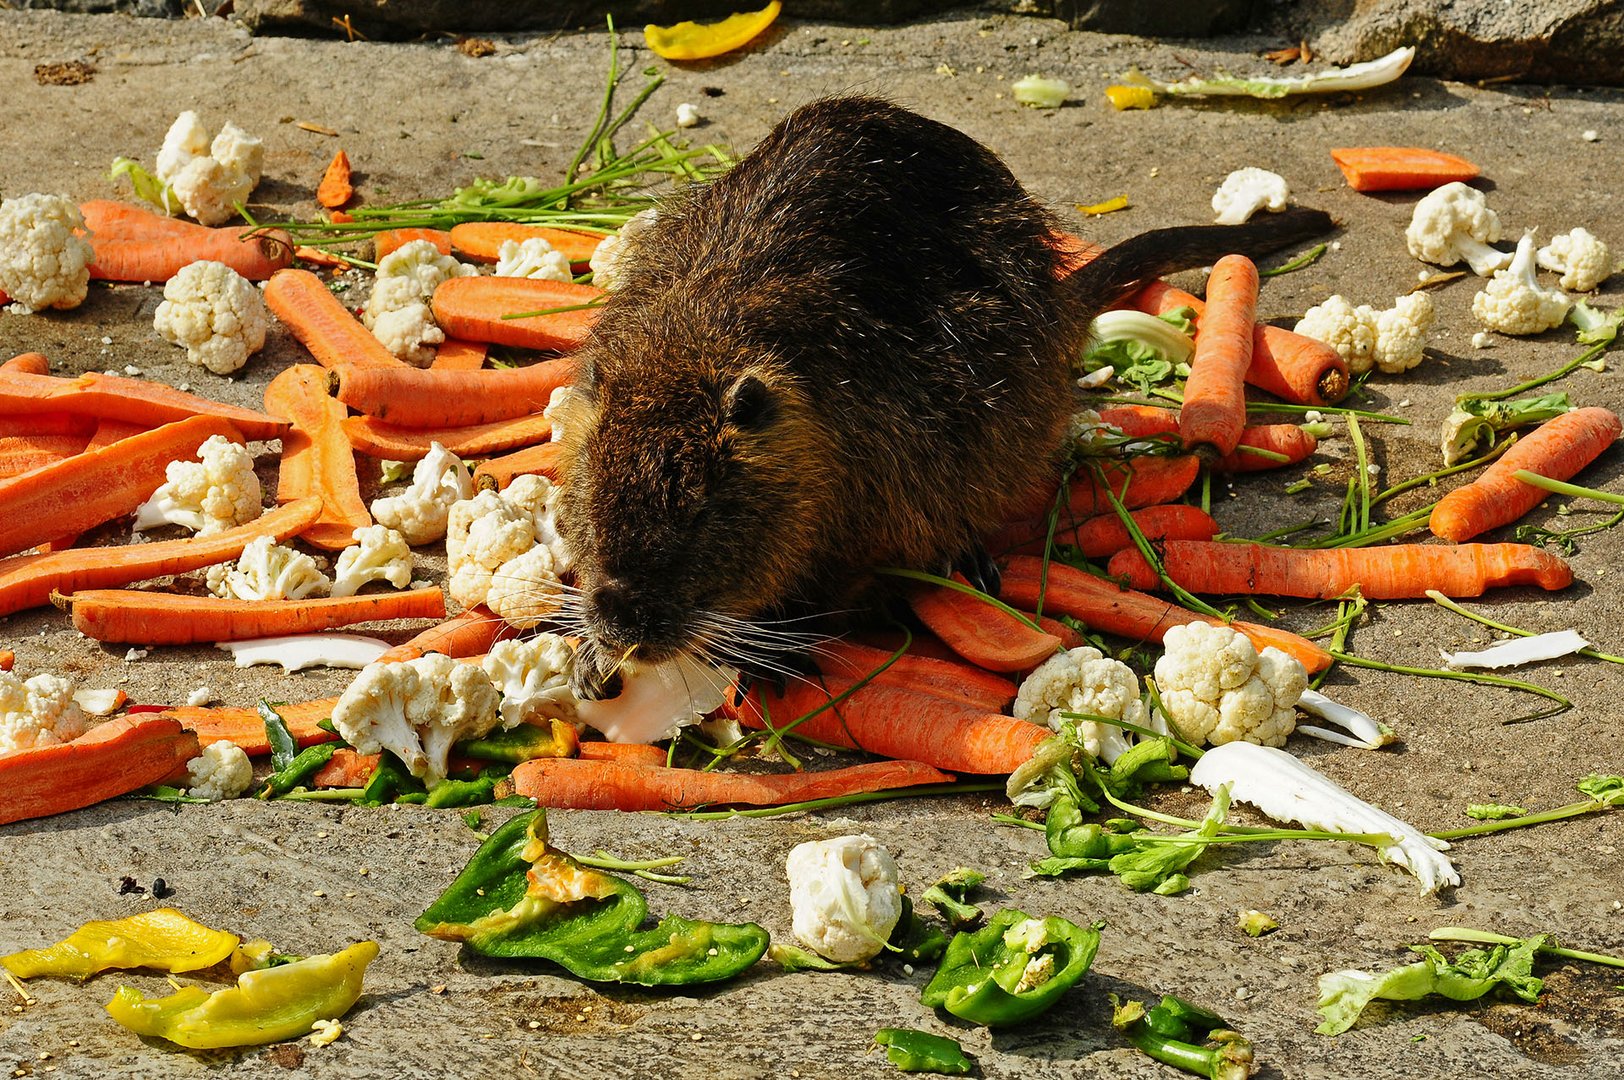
(749, 404)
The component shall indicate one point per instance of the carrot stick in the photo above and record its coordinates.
(1400, 168)
(109, 432)
(25, 453)
(314, 256)
(474, 308)
(1137, 482)
(1104, 535)
(980, 632)
(1288, 439)
(393, 239)
(1107, 607)
(576, 784)
(154, 618)
(28, 580)
(1141, 421)
(244, 728)
(310, 310)
(317, 458)
(132, 244)
(133, 401)
(482, 240)
(469, 634)
(628, 753)
(425, 398)
(335, 188)
(26, 425)
(455, 354)
(494, 474)
(1558, 449)
(111, 759)
(1214, 410)
(29, 363)
(394, 443)
(849, 662)
(83, 491)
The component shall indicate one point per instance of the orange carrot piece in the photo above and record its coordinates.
(1400, 168)
(1136, 482)
(310, 310)
(475, 308)
(1072, 253)
(317, 458)
(347, 768)
(132, 244)
(1107, 607)
(494, 474)
(154, 618)
(1103, 536)
(576, 784)
(629, 753)
(29, 363)
(394, 443)
(244, 728)
(426, 398)
(980, 632)
(83, 491)
(1141, 421)
(133, 401)
(849, 662)
(1069, 638)
(335, 188)
(391, 240)
(1288, 439)
(111, 759)
(1214, 410)
(1558, 449)
(469, 634)
(1394, 572)
(109, 432)
(7, 659)
(317, 257)
(455, 354)
(24, 453)
(482, 240)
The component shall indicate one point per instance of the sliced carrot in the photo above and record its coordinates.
(391, 240)
(29, 363)
(577, 784)
(630, 753)
(109, 432)
(309, 309)
(482, 240)
(951, 679)
(494, 474)
(1400, 168)
(24, 453)
(317, 257)
(394, 443)
(455, 354)
(133, 401)
(1141, 421)
(335, 188)
(154, 618)
(244, 727)
(132, 244)
(979, 631)
(426, 398)
(1289, 440)
(347, 768)
(111, 759)
(1136, 482)
(479, 309)
(7, 659)
(1214, 409)
(317, 458)
(471, 633)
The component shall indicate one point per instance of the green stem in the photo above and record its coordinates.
(1543, 817)
(1184, 597)
(1011, 819)
(602, 860)
(1307, 258)
(1566, 369)
(1422, 481)
(1560, 487)
(842, 800)
(1445, 602)
(1562, 703)
(1484, 937)
(323, 795)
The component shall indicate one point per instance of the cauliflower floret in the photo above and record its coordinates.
(609, 257)
(1452, 223)
(533, 676)
(483, 533)
(379, 554)
(210, 495)
(398, 312)
(1350, 330)
(526, 589)
(1083, 680)
(1217, 688)
(268, 571)
(186, 141)
(408, 331)
(688, 115)
(1401, 333)
(558, 406)
(210, 185)
(532, 258)
(1583, 261)
(39, 712)
(419, 513)
(1246, 191)
(222, 771)
(416, 709)
(42, 263)
(541, 498)
(216, 313)
(237, 149)
(844, 896)
(1515, 302)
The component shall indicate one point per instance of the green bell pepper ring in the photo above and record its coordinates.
(1012, 969)
(162, 938)
(920, 1051)
(265, 1006)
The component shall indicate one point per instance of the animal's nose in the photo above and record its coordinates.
(616, 609)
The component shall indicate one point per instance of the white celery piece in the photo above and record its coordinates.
(1158, 333)
(296, 652)
(1519, 651)
(100, 702)
(1365, 76)
(1363, 730)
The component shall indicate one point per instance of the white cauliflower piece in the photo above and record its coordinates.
(1350, 330)
(1583, 260)
(42, 263)
(533, 676)
(398, 312)
(526, 589)
(1454, 223)
(216, 313)
(210, 186)
(38, 712)
(186, 140)
(1401, 333)
(541, 498)
(1216, 687)
(408, 331)
(417, 709)
(1084, 680)
(688, 115)
(558, 403)
(379, 554)
(1246, 191)
(419, 513)
(609, 257)
(209, 495)
(534, 258)
(222, 771)
(483, 533)
(844, 896)
(1514, 302)
(657, 699)
(268, 571)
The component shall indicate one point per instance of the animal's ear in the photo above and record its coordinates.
(749, 403)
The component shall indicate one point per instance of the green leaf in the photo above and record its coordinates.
(1345, 994)
(1494, 811)
(1595, 327)
(147, 186)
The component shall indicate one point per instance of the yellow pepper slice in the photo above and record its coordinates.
(162, 938)
(1109, 206)
(700, 41)
(1130, 97)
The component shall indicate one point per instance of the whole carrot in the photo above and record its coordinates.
(470, 633)
(316, 456)
(849, 662)
(1136, 482)
(133, 401)
(132, 244)
(482, 240)
(496, 473)
(29, 363)
(1104, 535)
(1214, 410)
(153, 618)
(111, 759)
(628, 752)
(1290, 441)
(392, 442)
(980, 632)
(245, 728)
(1141, 421)
(335, 188)
(426, 398)
(1558, 449)
(1397, 571)
(481, 309)
(308, 308)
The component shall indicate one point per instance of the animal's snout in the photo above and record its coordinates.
(625, 616)
(616, 610)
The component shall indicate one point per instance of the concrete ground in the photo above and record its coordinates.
(419, 119)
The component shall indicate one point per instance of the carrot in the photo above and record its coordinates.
(468, 634)
(109, 432)
(28, 580)
(482, 240)
(1141, 421)
(391, 240)
(849, 662)
(979, 631)
(1395, 572)
(335, 188)
(315, 256)
(244, 728)
(316, 456)
(24, 453)
(131, 401)
(1214, 410)
(1104, 535)
(474, 308)
(1289, 366)
(426, 398)
(494, 474)
(311, 311)
(1557, 449)
(347, 768)
(132, 244)
(85, 490)
(1105, 606)
(25, 425)
(1287, 439)
(111, 759)
(627, 753)
(7, 659)
(576, 784)
(1072, 253)
(154, 618)
(29, 363)
(1136, 482)
(1400, 168)
(394, 443)
(455, 354)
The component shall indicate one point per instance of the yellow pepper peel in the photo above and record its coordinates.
(701, 41)
(162, 938)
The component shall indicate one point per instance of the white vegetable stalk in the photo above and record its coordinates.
(657, 700)
(1142, 326)
(1519, 651)
(1364, 76)
(1286, 789)
(299, 651)
(1363, 730)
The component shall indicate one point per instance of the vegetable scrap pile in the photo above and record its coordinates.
(1092, 671)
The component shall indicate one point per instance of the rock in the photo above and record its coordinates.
(1190, 18)
(156, 9)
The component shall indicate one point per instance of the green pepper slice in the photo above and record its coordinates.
(523, 743)
(1012, 969)
(911, 1050)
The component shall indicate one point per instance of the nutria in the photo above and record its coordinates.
(850, 351)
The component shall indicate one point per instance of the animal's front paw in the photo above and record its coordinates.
(589, 681)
